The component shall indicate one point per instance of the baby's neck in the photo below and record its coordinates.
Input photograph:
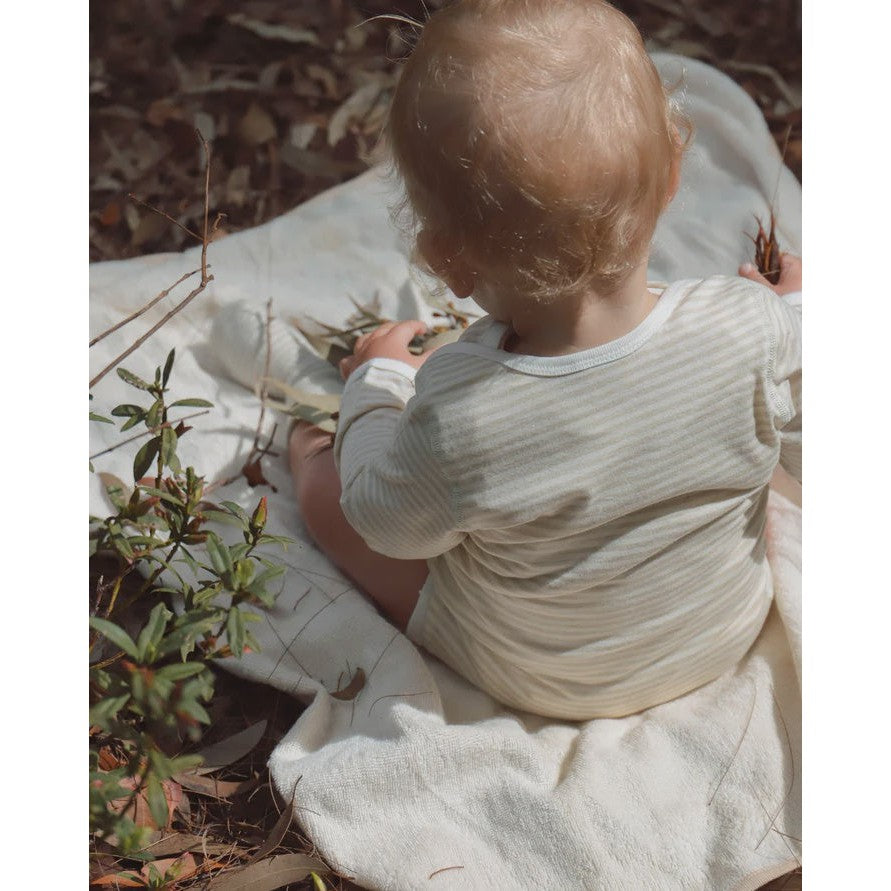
(558, 329)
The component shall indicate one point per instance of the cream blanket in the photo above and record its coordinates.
(421, 780)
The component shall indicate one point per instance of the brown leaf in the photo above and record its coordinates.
(211, 787)
(256, 127)
(111, 214)
(118, 880)
(351, 690)
(150, 227)
(161, 111)
(232, 748)
(139, 810)
(179, 842)
(273, 32)
(267, 875)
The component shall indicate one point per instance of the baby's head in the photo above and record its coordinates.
(537, 146)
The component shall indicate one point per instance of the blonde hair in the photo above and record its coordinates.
(538, 138)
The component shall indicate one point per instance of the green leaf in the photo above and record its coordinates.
(168, 445)
(151, 634)
(100, 418)
(168, 366)
(131, 422)
(160, 493)
(244, 572)
(219, 555)
(157, 801)
(235, 631)
(117, 491)
(180, 671)
(133, 380)
(185, 762)
(128, 411)
(219, 516)
(153, 415)
(195, 710)
(145, 456)
(107, 709)
(238, 510)
(116, 635)
(192, 403)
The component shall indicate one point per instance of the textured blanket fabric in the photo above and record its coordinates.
(422, 781)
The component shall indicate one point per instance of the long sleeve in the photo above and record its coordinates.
(394, 493)
(784, 319)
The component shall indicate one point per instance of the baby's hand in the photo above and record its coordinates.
(390, 341)
(790, 274)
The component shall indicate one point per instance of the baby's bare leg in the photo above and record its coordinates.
(392, 584)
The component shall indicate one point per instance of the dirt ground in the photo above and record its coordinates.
(291, 97)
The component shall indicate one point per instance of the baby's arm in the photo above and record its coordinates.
(785, 321)
(393, 491)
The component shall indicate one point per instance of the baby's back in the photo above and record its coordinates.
(613, 501)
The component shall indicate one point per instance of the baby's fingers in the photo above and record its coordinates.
(747, 270)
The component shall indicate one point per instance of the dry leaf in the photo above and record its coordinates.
(211, 787)
(161, 111)
(273, 32)
(180, 842)
(111, 214)
(325, 77)
(150, 227)
(267, 875)
(256, 127)
(354, 109)
(352, 689)
(232, 748)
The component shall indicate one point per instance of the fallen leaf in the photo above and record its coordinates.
(256, 127)
(161, 111)
(354, 109)
(267, 875)
(231, 749)
(118, 880)
(273, 32)
(111, 214)
(211, 787)
(179, 842)
(352, 689)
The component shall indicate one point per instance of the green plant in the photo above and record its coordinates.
(178, 587)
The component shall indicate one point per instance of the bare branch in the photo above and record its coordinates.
(144, 309)
(205, 278)
(166, 216)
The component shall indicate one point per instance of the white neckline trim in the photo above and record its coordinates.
(488, 347)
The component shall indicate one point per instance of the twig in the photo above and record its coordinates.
(144, 309)
(205, 278)
(164, 214)
(150, 431)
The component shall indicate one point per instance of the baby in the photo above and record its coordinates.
(568, 505)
